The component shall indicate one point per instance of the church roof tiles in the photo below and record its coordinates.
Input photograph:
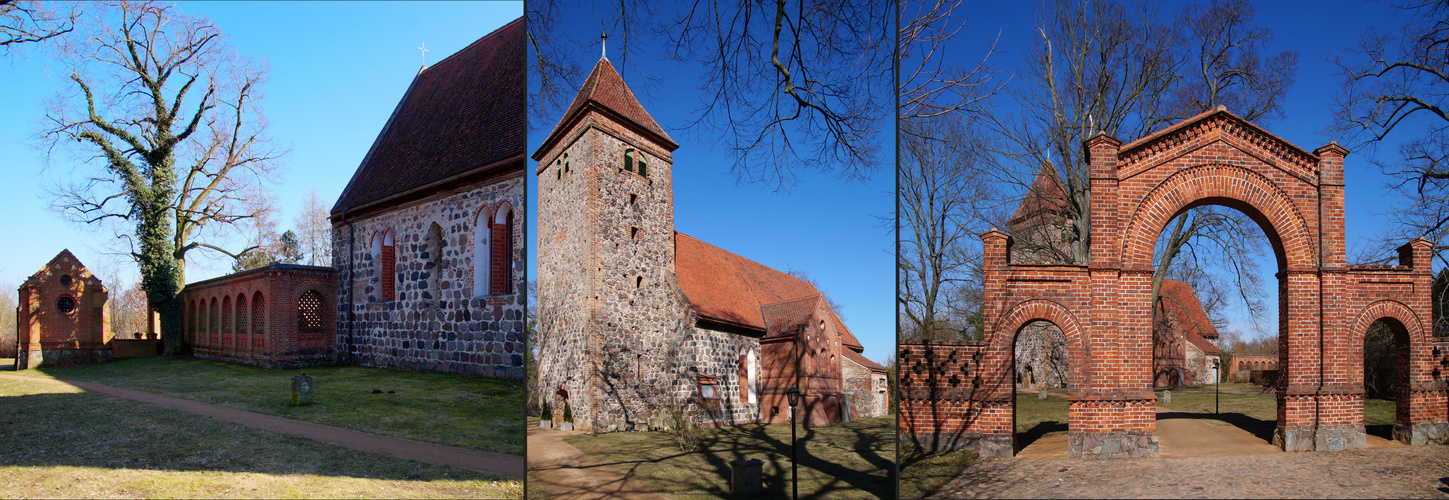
(605, 91)
(459, 117)
(725, 287)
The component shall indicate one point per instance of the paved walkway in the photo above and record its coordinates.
(564, 472)
(463, 458)
(1202, 460)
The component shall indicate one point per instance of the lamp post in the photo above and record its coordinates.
(1217, 379)
(794, 394)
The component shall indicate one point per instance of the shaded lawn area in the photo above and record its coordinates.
(851, 460)
(923, 473)
(61, 442)
(469, 412)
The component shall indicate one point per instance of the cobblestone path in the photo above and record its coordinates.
(1403, 472)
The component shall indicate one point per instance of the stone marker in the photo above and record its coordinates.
(301, 390)
(1167, 397)
(1041, 394)
(746, 477)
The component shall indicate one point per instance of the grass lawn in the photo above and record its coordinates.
(851, 460)
(470, 412)
(923, 473)
(61, 442)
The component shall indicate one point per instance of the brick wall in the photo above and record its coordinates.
(255, 316)
(1104, 308)
(62, 316)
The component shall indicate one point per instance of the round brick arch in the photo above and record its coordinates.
(1019, 315)
(1218, 184)
(1400, 313)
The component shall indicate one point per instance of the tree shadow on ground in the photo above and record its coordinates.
(1024, 439)
(1385, 431)
(1261, 429)
(824, 450)
(92, 430)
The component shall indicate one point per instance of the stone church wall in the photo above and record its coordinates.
(860, 385)
(454, 331)
(1041, 346)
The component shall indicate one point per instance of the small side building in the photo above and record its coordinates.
(62, 317)
(277, 316)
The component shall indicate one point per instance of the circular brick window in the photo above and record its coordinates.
(65, 304)
(65, 280)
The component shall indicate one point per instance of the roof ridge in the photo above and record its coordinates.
(494, 34)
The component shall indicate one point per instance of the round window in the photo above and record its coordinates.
(65, 280)
(65, 304)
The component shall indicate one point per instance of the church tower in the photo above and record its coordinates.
(607, 297)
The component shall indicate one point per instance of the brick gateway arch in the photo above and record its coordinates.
(960, 394)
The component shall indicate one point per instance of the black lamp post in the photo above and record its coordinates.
(794, 394)
(1218, 375)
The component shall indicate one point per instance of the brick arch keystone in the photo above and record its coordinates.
(1242, 188)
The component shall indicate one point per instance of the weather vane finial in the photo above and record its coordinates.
(425, 53)
(603, 44)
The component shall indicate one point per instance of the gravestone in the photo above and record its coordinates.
(302, 390)
(1167, 397)
(1041, 394)
(746, 477)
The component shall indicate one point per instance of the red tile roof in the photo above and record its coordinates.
(1182, 305)
(1045, 196)
(605, 92)
(868, 364)
(727, 288)
(464, 113)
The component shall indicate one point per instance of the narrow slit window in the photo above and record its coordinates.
(633, 233)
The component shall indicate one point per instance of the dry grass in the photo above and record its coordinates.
(923, 473)
(851, 460)
(469, 412)
(63, 442)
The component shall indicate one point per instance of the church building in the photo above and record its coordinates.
(636, 319)
(428, 234)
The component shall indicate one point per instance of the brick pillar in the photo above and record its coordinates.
(1339, 402)
(1300, 369)
(1424, 397)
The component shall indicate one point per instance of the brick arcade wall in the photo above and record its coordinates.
(438, 319)
(270, 336)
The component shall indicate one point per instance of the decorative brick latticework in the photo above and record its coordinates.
(635, 318)
(1297, 197)
(278, 316)
(61, 317)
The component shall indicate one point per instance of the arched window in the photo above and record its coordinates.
(309, 312)
(258, 313)
(566, 162)
(215, 321)
(501, 264)
(226, 314)
(482, 256)
(643, 166)
(191, 321)
(384, 262)
(433, 263)
(629, 160)
(241, 313)
(747, 374)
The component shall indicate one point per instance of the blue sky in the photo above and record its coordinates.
(1316, 29)
(337, 72)
(824, 226)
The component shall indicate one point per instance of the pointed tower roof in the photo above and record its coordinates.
(605, 92)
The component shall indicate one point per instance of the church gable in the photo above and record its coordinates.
(461, 118)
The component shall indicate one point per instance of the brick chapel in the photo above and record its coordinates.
(635, 316)
(62, 317)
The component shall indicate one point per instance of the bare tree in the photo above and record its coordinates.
(29, 22)
(942, 201)
(163, 114)
(1395, 84)
(790, 86)
(129, 312)
(315, 230)
(9, 301)
(1226, 67)
(931, 87)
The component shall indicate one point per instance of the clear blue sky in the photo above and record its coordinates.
(823, 226)
(1316, 29)
(337, 72)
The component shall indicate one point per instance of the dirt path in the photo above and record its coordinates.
(564, 472)
(463, 458)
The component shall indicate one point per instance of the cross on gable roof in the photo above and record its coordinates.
(461, 117)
